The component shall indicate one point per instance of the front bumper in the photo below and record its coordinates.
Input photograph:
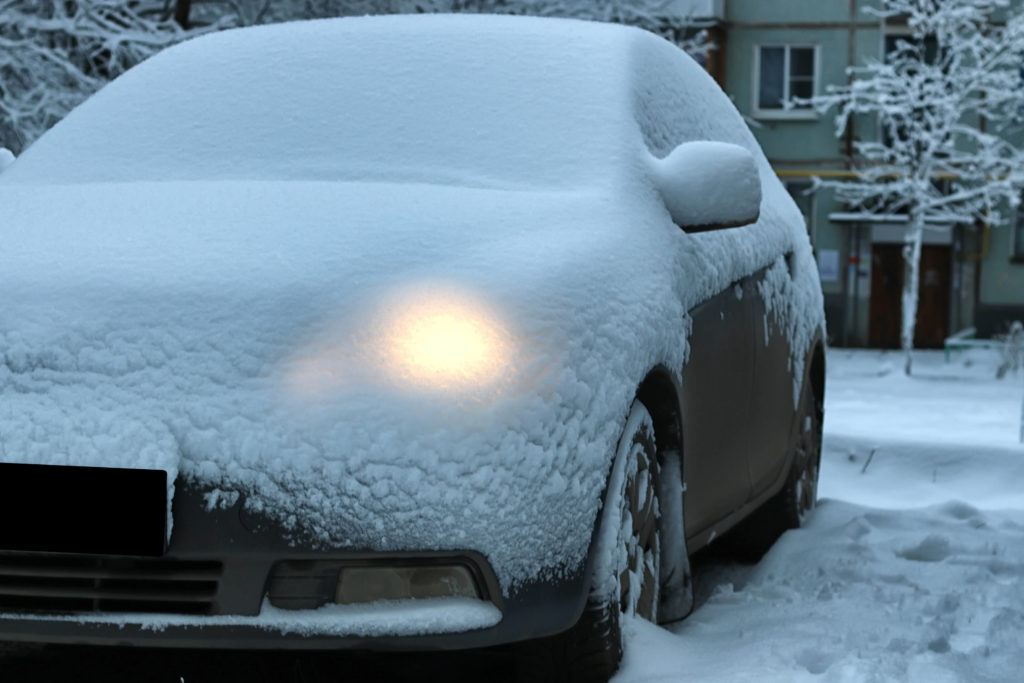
(209, 590)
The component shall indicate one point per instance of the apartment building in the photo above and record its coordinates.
(766, 51)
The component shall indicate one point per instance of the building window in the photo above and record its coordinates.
(929, 45)
(784, 72)
(799, 190)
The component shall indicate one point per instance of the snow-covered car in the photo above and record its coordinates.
(396, 333)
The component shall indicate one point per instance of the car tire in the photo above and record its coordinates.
(625, 580)
(800, 494)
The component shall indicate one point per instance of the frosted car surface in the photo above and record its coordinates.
(385, 286)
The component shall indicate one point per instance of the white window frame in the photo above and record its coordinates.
(783, 113)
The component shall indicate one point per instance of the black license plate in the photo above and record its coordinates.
(95, 510)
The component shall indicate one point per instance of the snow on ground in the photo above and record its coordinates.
(911, 569)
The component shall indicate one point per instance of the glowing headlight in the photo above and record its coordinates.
(431, 338)
(446, 342)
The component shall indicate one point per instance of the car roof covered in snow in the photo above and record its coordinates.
(468, 100)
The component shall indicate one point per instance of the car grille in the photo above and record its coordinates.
(61, 584)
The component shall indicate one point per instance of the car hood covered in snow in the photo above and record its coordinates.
(258, 344)
(410, 363)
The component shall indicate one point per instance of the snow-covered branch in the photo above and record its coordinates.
(947, 100)
(54, 54)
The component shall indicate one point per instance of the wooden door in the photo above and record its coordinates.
(886, 288)
(933, 298)
(887, 296)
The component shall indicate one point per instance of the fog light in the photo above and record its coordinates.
(368, 584)
(442, 582)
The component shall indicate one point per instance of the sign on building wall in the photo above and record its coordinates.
(828, 265)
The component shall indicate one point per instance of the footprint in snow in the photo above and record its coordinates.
(815, 661)
(934, 548)
(857, 528)
(960, 510)
(939, 645)
(1004, 629)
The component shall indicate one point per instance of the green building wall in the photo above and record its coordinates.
(987, 286)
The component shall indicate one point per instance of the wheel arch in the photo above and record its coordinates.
(814, 372)
(660, 393)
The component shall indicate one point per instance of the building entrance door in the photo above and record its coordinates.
(887, 292)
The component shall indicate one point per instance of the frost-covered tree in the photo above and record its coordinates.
(55, 53)
(947, 100)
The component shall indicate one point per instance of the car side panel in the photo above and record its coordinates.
(772, 406)
(716, 408)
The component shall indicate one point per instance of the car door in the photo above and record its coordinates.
(716, 407)
(772, 404)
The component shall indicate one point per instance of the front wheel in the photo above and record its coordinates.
(626, 568)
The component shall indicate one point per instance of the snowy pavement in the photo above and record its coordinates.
(912, 568)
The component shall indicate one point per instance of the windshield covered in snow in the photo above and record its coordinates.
(323, 101)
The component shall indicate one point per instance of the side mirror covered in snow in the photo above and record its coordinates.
(709, 185)
(6, 158)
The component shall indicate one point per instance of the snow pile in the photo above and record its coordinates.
(911, 569)
(214, 266)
